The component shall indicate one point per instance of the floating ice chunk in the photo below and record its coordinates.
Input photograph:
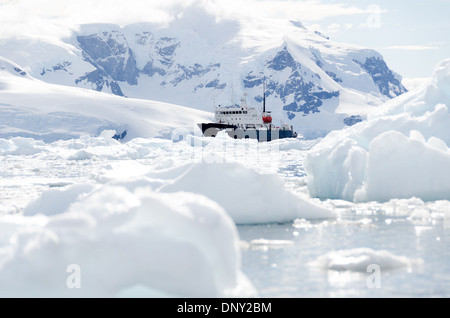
(437, 143)
(122, 170)
(416, 135)
(274, 244)
(56, 201)
(248, 196)
(420, 214)
(81, 155)
(108, 133)
(19, 146)
(336, 171)
(359, 259)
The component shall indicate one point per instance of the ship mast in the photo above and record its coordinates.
(264, 95)
(266, 117)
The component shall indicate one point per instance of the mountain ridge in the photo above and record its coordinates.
(313, 83)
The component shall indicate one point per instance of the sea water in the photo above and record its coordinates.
(281, 266)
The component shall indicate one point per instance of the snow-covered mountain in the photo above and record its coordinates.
(312, 82)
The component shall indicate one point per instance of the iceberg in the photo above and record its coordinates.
(401, 151)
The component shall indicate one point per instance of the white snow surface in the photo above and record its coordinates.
(401, 151)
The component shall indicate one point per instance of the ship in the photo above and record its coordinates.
(243, 122)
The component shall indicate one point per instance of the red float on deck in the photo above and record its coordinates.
(267, 119)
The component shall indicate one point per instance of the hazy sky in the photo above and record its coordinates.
(413, 35)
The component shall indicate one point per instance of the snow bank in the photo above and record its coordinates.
(175, 244)
(400, 152)
(248, 196)
(359, 260)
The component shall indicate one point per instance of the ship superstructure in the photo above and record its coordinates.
(243, 122)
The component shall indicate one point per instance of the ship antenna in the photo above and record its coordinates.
(232, 95)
